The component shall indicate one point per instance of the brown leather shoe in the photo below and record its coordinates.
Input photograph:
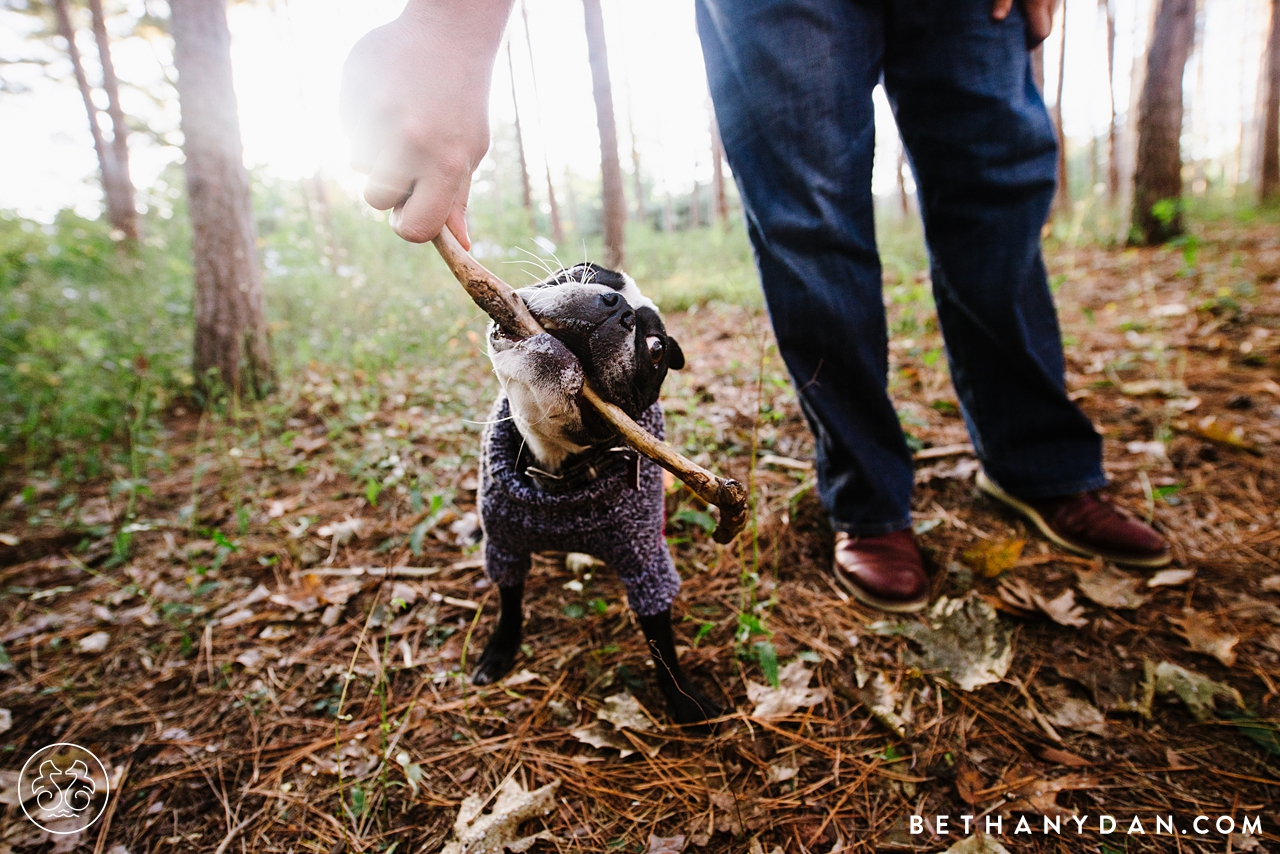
(884, 571)
(1088, 524)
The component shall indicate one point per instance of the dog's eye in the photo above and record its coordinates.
(656, 348)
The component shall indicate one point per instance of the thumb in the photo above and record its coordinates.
(1001, 9)
(457, 220)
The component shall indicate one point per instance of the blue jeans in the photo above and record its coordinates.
(792, 82)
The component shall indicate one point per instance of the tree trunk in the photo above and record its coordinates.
(719, 201)
(557, 227)
(1157, 194)
(231, 335)
(1113, 146)
(695, 207)
(637, 181)
(903, 199)
(1062, 197)
(614, 205)
(121, 212)
(124, 192)
(1269, 188)
(526, 187)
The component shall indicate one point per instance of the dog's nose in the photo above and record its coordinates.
(610, 300)
(628, 320)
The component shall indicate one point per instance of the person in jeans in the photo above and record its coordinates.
(791, 81)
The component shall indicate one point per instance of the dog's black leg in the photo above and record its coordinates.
(686, 703)
(504, 644)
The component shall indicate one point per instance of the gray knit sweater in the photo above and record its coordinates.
(605, 518)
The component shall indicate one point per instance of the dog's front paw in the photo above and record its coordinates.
(496, 661)
(688, 705)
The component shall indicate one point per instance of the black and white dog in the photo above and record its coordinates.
(555, 477)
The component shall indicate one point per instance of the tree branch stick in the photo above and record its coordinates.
(501, 302)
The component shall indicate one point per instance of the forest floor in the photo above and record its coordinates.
(240, 642)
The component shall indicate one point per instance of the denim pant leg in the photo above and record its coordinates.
(792, 84)
(984, 154)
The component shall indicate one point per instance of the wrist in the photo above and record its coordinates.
(478, 23)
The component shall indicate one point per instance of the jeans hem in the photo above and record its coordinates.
(871, 529)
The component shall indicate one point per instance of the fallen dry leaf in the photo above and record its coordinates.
(1154, 388)
(605, 737)
(1111, 588)
(625, 712)
(968, 783)
(1114, 689)
(792, 693)
(1064, 757)
(963, 639)
(1174, 760)
(1062, 609)
(979, 843)
(992, 557)
(1212, 430)
(1201, 636)
(475, 832)
(1068, 712)
(780, 772)
(882, 698)
(95, 642)
(1271, 584)
(665, 844)
(1199, 693)
(1172, 577)
(1041, 796)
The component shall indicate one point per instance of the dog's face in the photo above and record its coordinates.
(612, 331)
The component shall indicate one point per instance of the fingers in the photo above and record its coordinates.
(457, 220)
(435, 199)
(1001, 9)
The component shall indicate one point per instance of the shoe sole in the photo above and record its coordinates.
(880, 605)
(991, 488)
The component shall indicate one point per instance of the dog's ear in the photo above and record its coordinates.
(675, 356)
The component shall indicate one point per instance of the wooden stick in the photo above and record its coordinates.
(501, 302)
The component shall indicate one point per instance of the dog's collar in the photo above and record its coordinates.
(589, 465)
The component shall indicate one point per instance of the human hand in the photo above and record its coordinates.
(1039, 14)
(415, 101)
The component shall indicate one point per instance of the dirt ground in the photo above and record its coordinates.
(245, 642)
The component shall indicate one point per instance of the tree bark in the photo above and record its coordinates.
(526, 187)
(613, 204)
(1157, 193)
(1269, 187)
(124, 191)
(117, 193)
(719, 201)
(1113, 145)
(557, 227)
(231, 341)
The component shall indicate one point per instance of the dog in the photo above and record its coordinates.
(556, 478)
